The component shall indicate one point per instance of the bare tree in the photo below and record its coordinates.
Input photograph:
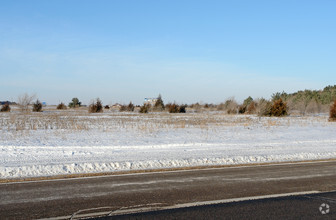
(24, 101)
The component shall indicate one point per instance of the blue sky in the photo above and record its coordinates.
(188, 51)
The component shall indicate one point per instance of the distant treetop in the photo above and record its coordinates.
(75, 103)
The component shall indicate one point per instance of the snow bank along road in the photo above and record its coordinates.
(47, 145)
(57, 198)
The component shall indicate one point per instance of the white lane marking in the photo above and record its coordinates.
(237, 166)
(185, 205)
(322, 198)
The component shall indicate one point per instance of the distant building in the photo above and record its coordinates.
(150, 101)
(116, 105)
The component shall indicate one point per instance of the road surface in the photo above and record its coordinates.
(310, 206)
(62, 198)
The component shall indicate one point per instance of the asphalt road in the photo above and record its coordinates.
(291, 207)
(62, 198)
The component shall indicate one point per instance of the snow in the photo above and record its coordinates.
(34, 145)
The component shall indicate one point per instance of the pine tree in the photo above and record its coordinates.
(159, 105)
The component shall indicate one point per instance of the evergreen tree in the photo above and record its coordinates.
(159, 105)
(75, 103)
(37, 106)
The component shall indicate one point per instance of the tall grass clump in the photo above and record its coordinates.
(96, 107)
(332, 113)
(37, 106)
(5, 108)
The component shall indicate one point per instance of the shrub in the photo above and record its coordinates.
(279, 108)
(37, 106)
(145, 108)
(183, 109)
(159, 105)
(196, 106)
(251, 109)
(96, 107)
(75, 103)
(231, 106)
(107, 107)
(61, 106)
(242, 109)
(264, 107)
(332, 114)
(130, 107)
(231, 111)
(175, 108)
(248, 106)
(5, 108)
(123, 108)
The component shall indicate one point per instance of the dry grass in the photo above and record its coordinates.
(79, 119)
(31, 121)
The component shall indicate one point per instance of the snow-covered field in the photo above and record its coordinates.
(56, 142)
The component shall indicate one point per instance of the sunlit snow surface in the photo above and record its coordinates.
(32, 145)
